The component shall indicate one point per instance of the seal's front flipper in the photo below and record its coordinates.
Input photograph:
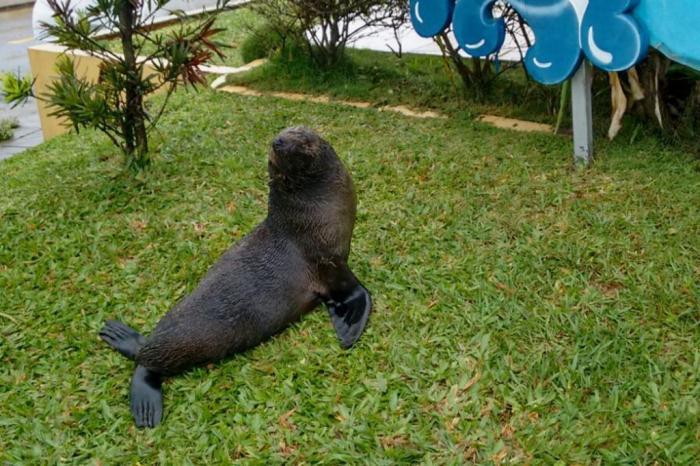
(349, 303)
(350, 315)
(122, 338)
(146, 397)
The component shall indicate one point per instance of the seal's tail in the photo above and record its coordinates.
(122, 338)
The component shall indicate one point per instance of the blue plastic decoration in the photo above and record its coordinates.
(673, 27)
(605, 30)
(431, 17)
(476, 30)
(556, 55)
(610, 36)
(553, 58)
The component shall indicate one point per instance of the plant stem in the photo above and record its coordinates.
(134, 124)
(563, 100)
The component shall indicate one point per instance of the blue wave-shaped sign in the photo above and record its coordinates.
(604, 31)
(673, 27)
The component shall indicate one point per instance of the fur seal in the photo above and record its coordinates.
(289, 264)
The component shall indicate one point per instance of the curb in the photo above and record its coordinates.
(163, 21)
(15, 4)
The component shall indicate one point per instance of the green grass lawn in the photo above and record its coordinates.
(382, 78)
(420, 81)
(524, 312)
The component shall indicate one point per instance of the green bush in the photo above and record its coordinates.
(262, 42)
(116, 104)
(15, 88)
(7, 126)
(326, 27)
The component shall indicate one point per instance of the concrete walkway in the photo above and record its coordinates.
(383, 40)
(15, 37)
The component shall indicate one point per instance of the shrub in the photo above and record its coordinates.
(661, 93)
(477, 74)
(325, 27)
(115, 104)
(671, 94)
(7, 127)
(262, 42)
(15, 87)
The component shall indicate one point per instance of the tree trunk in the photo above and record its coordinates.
(452, 54)
(473, 73)
(134, 123)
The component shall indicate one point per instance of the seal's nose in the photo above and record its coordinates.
(278, 144)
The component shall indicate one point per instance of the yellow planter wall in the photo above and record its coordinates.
(42, 59)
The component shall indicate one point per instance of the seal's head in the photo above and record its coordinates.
(312, 197)
(299, 157)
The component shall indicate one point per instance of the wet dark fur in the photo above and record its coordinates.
(291, 262)
(271, 277)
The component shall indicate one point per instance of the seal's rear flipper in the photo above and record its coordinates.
(146, 397)
(122, 338)
(349, 303)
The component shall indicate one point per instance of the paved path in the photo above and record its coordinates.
(15, 38)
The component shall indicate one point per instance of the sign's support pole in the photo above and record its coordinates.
(582, 109)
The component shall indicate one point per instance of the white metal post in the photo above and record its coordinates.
(582, 109)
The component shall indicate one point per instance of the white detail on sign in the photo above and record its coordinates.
(417, 11)
(601, 55)
(475, 46)
(542, 65)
